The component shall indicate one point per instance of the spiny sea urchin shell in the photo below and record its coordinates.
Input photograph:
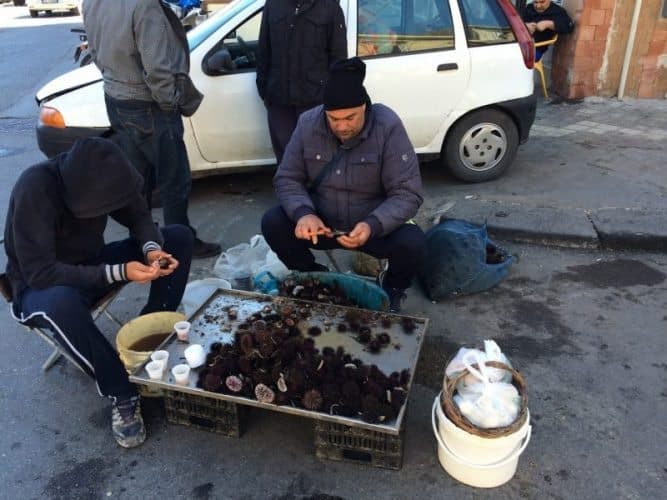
(312, 400)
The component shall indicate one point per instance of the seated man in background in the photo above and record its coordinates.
(544, 19)
(349, 179)
(59, 265)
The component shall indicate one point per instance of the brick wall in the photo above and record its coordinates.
(589, 61)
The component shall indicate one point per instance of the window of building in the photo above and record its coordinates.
(485, 23)
(386, 27)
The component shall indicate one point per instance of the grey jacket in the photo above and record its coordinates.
(376, 179)
(142, 51)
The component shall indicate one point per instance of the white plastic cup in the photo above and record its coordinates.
(155, 370)
(195, 355)
(161, 357)
(181, 374)
(182, 330)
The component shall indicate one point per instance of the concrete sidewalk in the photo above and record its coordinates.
(592, 174)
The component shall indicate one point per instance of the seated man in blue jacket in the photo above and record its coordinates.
(544, 19)
(59, 265)
(349, 179)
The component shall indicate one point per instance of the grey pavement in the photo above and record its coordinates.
(592, 174)
(582, 316)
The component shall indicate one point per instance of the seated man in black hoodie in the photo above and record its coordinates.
(59, 265)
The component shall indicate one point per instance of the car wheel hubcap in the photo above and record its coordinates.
(483, 147)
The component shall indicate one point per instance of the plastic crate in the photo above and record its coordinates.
(209, 414)
(360, 446)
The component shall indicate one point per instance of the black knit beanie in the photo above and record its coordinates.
(345, 86)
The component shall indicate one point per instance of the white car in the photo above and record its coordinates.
(464, 90)
(51, 6)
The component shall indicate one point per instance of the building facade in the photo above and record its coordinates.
(618, 48)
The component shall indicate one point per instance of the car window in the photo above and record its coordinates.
(485, 23)
(202, 31)
(237, 52)
(390, 27)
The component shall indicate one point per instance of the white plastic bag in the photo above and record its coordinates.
(491, 352)
(243, 261)
(484, 403)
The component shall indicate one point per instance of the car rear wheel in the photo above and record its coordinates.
(481, 145)
(34, 13)
(74, 11)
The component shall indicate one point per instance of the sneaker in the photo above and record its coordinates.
(126, 422)
(202, 249)
(396, 295)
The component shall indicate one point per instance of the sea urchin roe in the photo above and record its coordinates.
(264, 393)
(234, 383)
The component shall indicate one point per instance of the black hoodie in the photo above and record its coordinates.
(58, 212)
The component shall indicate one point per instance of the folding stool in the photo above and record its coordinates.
(100, 307)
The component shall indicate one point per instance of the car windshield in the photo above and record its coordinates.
(201, 32)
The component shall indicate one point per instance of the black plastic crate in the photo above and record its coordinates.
(209, 414)
(360, 446)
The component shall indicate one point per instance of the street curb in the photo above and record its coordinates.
(609, 228)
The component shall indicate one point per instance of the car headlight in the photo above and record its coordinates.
(51, 117)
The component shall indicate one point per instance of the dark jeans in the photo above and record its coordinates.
(65, 310)
(405, 248)
(152, 140)
(282, 122)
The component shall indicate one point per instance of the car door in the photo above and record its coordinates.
(417, 61)
(230, 127)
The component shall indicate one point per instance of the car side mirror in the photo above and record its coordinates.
(219, 63)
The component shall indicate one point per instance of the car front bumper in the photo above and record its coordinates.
(52, 141)
(522, 111)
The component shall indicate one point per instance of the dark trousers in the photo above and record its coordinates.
(152, 140)
(404, 248)
(65, 310)
(282, 122)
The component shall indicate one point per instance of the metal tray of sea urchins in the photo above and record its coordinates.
(328, 362)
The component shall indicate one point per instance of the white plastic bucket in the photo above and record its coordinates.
(474, 460)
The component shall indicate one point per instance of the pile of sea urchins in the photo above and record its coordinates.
(271, 361)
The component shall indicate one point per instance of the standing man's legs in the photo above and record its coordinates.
(153, 141)
(282, 122)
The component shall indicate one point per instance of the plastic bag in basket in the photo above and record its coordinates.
(484, 403)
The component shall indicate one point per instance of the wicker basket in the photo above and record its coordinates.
(454, 414)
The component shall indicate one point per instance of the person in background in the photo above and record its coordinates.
(59, 265)
(544, 19)
(349, 179)
(298, 41)
(142, 51)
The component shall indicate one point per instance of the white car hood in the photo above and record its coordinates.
(74, 79)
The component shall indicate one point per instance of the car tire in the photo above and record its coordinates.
(481, 145)
(34, 13)
(75, 11)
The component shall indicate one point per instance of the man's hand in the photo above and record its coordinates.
(163, 261)
(545, 25)
(309, 227)
(531, 27)
(141, 273)
(357, 237)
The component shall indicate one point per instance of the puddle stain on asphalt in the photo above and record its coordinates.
(540, 320)
(619, 273)
(81, 480)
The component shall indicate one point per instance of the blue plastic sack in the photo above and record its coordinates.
(461, 259)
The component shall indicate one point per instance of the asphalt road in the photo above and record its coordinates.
(586, 328)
